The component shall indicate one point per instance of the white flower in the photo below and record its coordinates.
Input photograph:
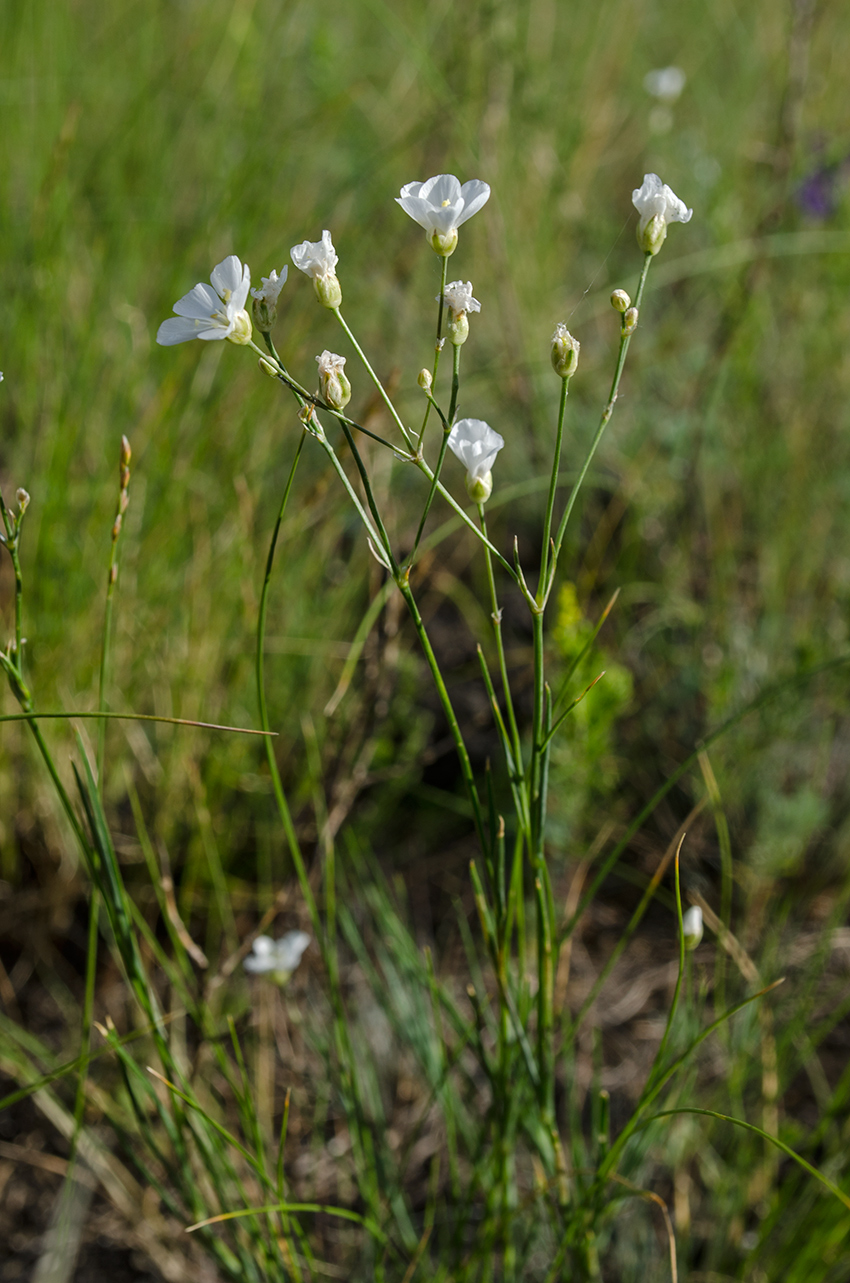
(657, 206)
(318, 260)
(441, 205)
(278, 956)
(666, 83)
(692, 926)
(265, 300)
(334, 385)
(458, 297)
(217, 313)
(272, 285)
(476, 445)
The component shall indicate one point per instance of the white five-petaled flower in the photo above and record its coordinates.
(657, 205)
(280, 957)
(441, 205)
(476, 445)
(692, 926)
(212, 313)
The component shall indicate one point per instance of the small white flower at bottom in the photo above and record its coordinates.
(212, 313)
(278, 957)
(476, 444)
(458, 297)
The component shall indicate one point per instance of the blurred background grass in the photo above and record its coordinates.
(140, 145)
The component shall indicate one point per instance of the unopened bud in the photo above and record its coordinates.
(264, 314)
(444, 243)
(241, 332)
(328, 290)
(692, 926)
(620, 300)
(126, 453)
(565, 350)
(23, 499)
(116, 529)
(630, 320)
(479, 489)
(334, 386)
(266, 367)
(424, 380)
(653, 235)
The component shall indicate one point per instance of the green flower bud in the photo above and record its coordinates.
(565, 350)
(334, 387)
(458, 328)
(424, 380)
(479, 489)
(328, 290)
(444, 243)
(630, 320)
(620, 300)
(653, 236)
(266, 367)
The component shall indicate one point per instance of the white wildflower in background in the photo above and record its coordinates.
(458, 299)
(657, 205)
(265, 299)
(217, 313)
(318, 259)
(476, 445)
(441, 206)
(334, 387)
(278, 957)
(665, 83)
(692, 926)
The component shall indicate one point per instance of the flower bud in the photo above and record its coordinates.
(264, 316)
(653, 236)
(266, 367)
(23, 500)
(334, 387)
(242, 331)
(630, 320)
(692, 926)
(126, 453)
(328, 290)
(620, 300)
(458, 328)
(565, 350)
(424, 380)
(444, 243)
(479, 489)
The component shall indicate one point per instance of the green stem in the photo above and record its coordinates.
(553, 486)
(448, 710)
(438, 345)
(496, 620)
(447, 427)
(625, 340)
(373, 376)
(277, 785)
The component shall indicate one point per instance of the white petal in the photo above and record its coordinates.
(476, 445)
(440, 188)
(419, 210)
(226, 276)
(475, 194)
(240, 294)
(178, 329)
(289, 949)
(409, 189)
(200, 302)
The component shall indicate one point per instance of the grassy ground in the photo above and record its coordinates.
(140, 146)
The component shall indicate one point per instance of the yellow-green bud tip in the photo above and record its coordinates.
(620, 300)
(630, 320)
(266, 367)
(424, 380)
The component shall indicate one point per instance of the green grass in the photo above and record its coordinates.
(142, 145)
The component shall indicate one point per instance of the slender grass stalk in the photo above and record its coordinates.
(553, 486)
(384, 395)
(438, 342)
(447, 426)
(111, 581)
